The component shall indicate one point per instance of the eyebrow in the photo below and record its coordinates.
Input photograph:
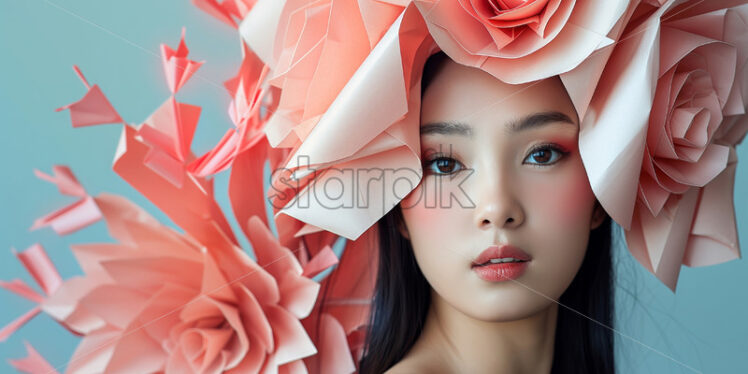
(531, 121)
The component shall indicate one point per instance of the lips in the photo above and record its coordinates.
(500, 252)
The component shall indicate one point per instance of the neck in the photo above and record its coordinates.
(467, 345)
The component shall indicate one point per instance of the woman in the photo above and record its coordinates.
(440, 305)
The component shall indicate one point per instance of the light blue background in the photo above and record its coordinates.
(116, 44)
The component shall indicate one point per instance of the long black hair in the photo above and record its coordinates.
(402, 297)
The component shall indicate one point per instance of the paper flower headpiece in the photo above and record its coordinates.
(329, 86)
(659, 86)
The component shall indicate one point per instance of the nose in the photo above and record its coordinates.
(497, 204)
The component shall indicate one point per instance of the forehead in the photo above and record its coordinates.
(468, 95)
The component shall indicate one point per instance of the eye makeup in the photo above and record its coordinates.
(442, 163)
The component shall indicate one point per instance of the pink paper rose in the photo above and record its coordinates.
(318, 47)
(658, 137)
(158, 301)
(701, 59)
(519, 41)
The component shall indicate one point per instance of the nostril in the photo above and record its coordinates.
(510, 220)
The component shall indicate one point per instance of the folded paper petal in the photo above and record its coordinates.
(173, 303)
(33, 363)
(129, 162)
(317, 51)
(70, 218)
(177, 67)
(226, 10)
(249, 101)
(714, 235)
(17, 323)
(93, 108)
(675, 78)
(41, 268)
(625, 90)
(20, 288)
(323, 260)
(171, 128)
(65, 180)
(334, 355)
(74, 216)
(387, 140)
(521, 43)
(259, 27)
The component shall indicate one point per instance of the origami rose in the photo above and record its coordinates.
(695, 228)
(317, 48)
(697, 119)
(267, 301)
(519, 41)
(160, 302)
(699, 82)
(659, 135)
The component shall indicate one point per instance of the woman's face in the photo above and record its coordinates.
(501, 167)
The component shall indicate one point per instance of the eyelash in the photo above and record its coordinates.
(542, 147)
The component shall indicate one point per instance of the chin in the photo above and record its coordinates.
(505, 306)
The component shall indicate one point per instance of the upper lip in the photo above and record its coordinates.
(501, 251)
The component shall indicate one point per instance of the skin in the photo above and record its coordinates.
(538, 200)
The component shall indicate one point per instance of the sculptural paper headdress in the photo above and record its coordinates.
(660, 88)
(329, 86)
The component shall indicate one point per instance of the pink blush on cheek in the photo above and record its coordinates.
(568, 199)
(420, 208)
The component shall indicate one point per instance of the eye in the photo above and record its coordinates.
(443, 165)
(546, 154)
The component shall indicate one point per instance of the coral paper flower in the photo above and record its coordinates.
(158, 301)
(519, 41)
(318, 47)
(701, 59)
(684, 212)
(660, 173)
(381, 97)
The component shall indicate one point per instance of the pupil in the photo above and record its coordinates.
(544, 156)
(444, 165)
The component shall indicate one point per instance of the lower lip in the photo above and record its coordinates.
(501, 272)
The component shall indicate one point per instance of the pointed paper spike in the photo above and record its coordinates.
(165, 166)
(292, 341)
(216, 10)
(33, 363)
(18, 287)
(65, 180)
(171, 128)
(202, 218)
(182, 50)
(17, 323)
(177, 67)
(80, 75)
(273, 257)
(93, 109)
